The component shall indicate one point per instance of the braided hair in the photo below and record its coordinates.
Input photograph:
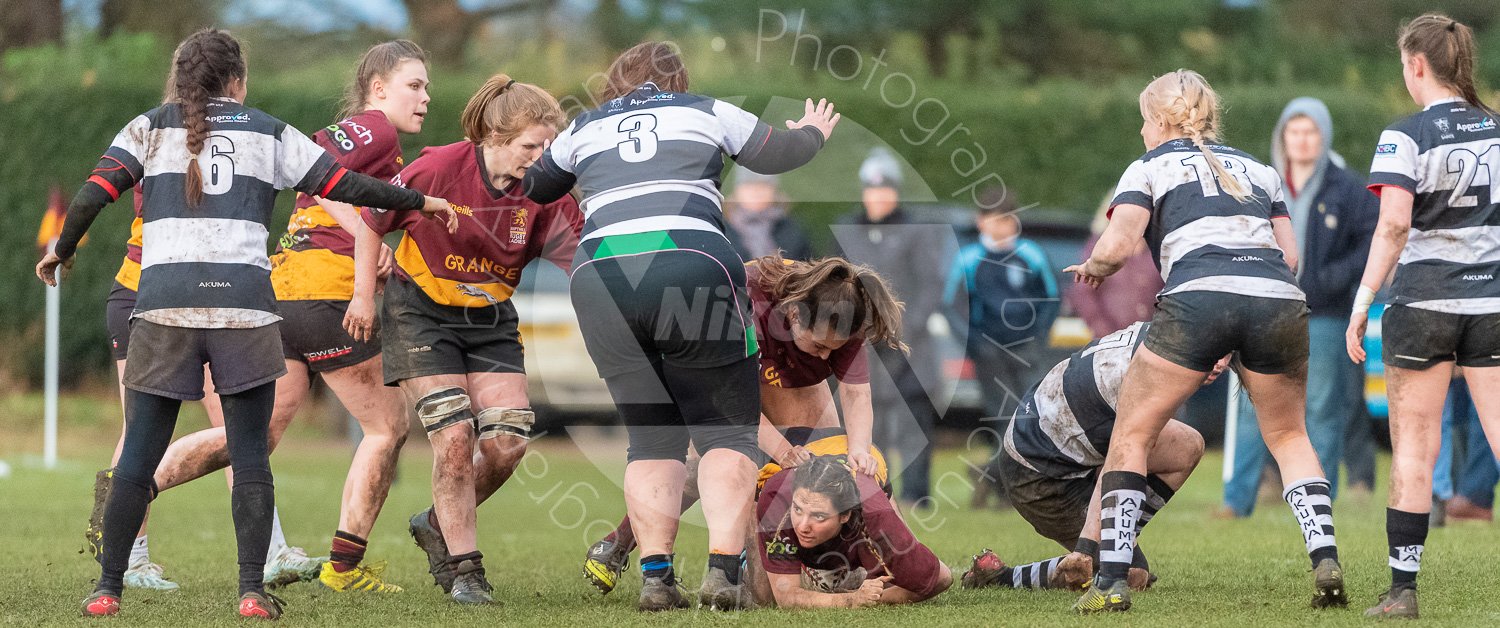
(203, 67)
(1185, 103)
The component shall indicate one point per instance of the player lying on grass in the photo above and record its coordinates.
(1050, 464)
(829, 537)
(812, 320)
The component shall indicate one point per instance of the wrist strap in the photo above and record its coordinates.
(1363, 299)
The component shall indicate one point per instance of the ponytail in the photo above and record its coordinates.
(1450, 50)
(202, 67)
(502, 109)
(1185, 103)
(850, 299)
(378, 62)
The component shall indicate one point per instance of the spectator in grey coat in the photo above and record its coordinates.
(912, 256)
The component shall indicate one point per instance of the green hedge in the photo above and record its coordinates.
(1057, 145)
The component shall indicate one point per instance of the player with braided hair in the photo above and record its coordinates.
(1217, 227)
(830, 537)
(209, 168)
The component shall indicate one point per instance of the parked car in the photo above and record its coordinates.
(559, 373)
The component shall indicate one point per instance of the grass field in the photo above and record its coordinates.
(1213, 572)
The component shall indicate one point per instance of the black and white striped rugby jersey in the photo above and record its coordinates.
(1062, 426)
(1448, 157)
(1201, 238)
(206, 266)
(650, 160)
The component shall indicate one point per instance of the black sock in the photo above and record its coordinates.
(123, 514)
(149, 420)
(1406, 533)
(730, 563)
(1090, 548)
(247, 420)
(1124, 494)
(658, 566)
(477, 558)
(250, 502)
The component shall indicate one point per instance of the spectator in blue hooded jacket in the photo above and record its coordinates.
(1333, 217)
(1012, 302)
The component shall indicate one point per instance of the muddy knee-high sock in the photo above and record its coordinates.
(1407, 534)
(1031, 575)
(247, 417)
(123, 514)
(148, 430)
(1312, 503)
(1158, 493)
(1124, 494)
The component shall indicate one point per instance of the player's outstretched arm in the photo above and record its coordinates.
(788, 591)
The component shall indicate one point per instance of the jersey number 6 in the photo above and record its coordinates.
(640, 134)
(218, 168)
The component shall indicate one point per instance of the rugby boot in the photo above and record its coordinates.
(362, 578)
(1103, 599)
(1395, 604)
(1328, 585)
(292, 564)
(101, 604)
(431, 541)
(260, 606)
(148, 575)
(718, 595)
(604, 563)
(657, 595)
(985, 571)
(469, 585)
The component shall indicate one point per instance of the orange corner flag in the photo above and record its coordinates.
(52, 221)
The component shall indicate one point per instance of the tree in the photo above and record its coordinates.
(444, 28)
(173, 21)
(30, 23)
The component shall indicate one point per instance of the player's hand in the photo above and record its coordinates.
(868, 593)
(863, 462)
(1354, 337)
(359, 319)
(1082, 274)
(819, 116)
(46, 270)
(385, 262)
(794, 456)
(439, 210)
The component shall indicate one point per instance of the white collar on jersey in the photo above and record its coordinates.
(1442, 101)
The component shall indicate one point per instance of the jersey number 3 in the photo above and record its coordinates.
(640, 138)
(218, 167)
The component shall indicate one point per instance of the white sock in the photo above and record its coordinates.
(278, 540)
(138, 552)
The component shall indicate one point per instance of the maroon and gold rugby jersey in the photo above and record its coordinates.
(315, 257)
(499, 231)
(130, 269)
(782, 364)
(883, 545)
